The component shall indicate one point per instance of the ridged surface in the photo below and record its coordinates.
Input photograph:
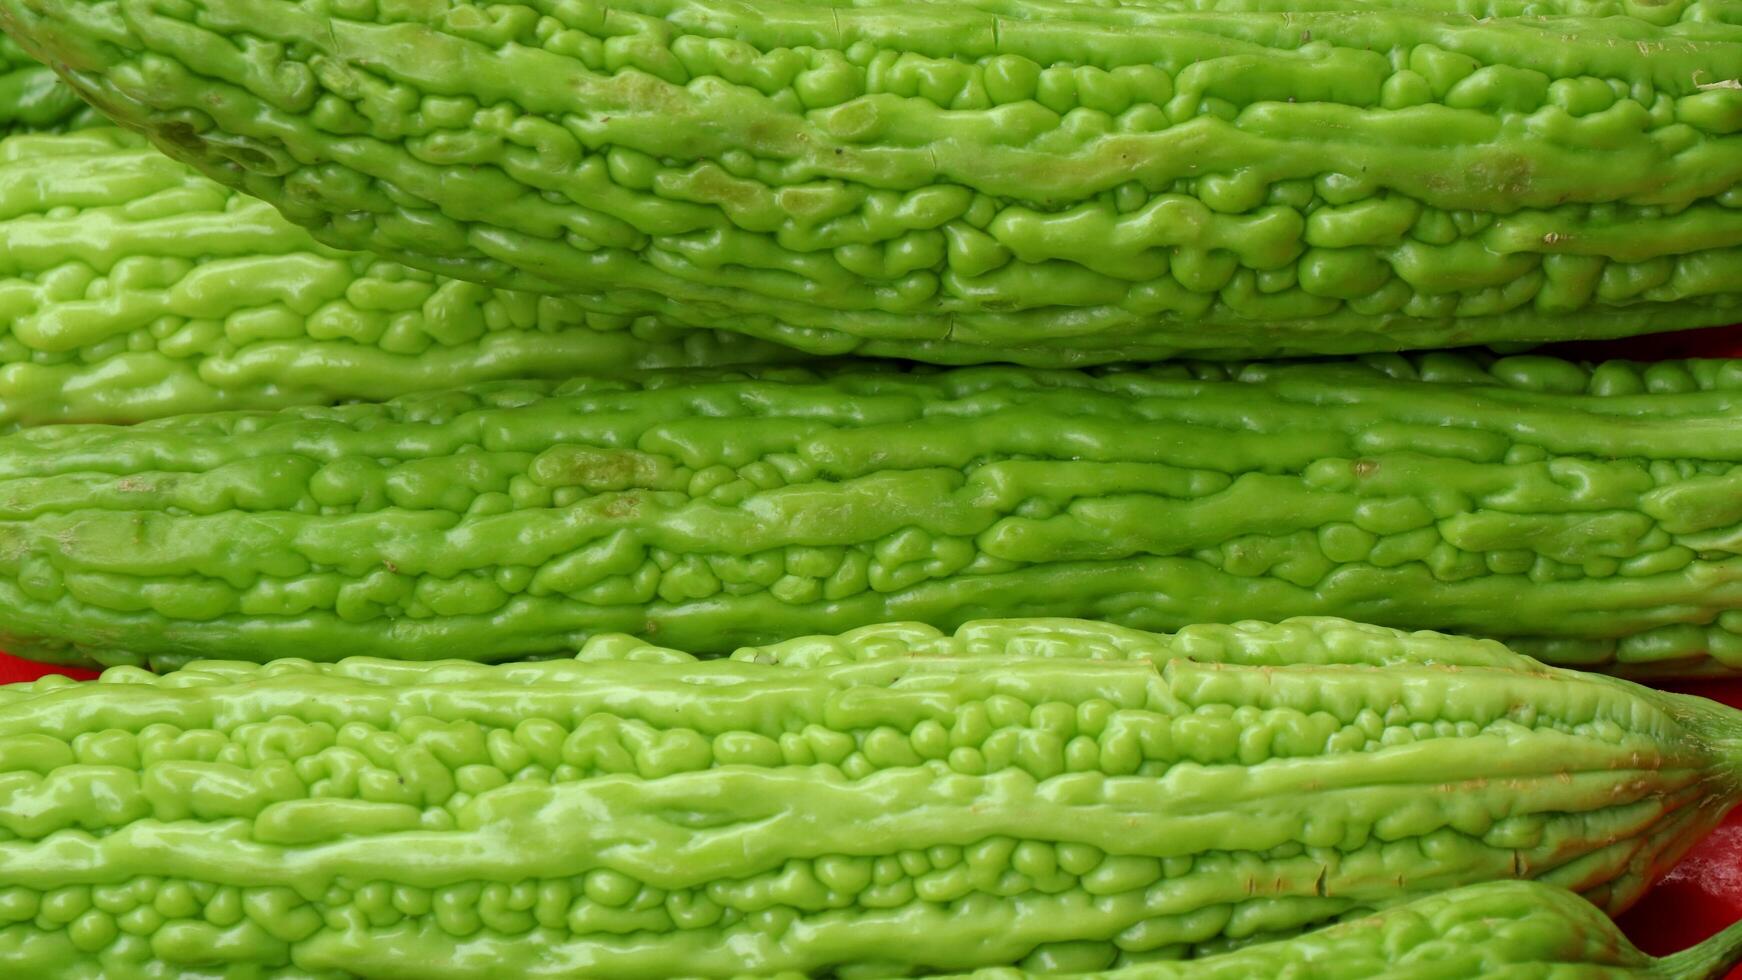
(1049, 182)
(1513, 929)
(131, 288)
(1064, 795)
(32, 98)
(1586, 515)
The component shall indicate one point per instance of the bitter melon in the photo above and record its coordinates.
(1063, 795)
(32, 98)
(1586, 514)
(1034, 180)
(131, 288)
(1513, 929)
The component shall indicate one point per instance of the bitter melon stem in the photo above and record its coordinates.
(1718, 726)
(1706, 961)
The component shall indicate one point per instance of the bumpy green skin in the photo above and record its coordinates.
(132, 288)
(1061, 795)
(1587, 515)
(1513, 929)
(32, 98)
(1043, 181)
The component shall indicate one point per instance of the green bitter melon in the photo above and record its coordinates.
(1512, 929)
(1043, 181)
(132, 288)
(32, 98)
(1586, 514)
(1063, 795)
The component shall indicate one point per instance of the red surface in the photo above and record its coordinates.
(1702, 894)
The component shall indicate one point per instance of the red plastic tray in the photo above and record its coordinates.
(1704, 892)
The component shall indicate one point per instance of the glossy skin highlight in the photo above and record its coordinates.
(985, 180)
(1513, 929)
(132, 287)
(1070, 795)
(1582, 513)
(32, 99)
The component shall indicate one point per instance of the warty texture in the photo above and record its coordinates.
(1064, 795)
(1586, 514)
(132, 287)
(1514, 929)
(33, 99)
(1043, 181)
